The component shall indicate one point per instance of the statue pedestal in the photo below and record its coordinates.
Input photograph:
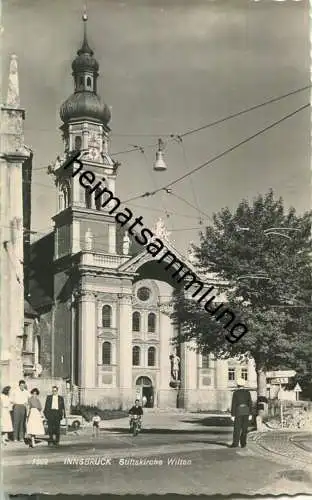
(175, 384)
(167, 398)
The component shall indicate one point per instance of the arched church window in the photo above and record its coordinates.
(151, 323)
(136, 354)
(98, 199)
(78, 143)
(89, 82)
(205, 361)
(106, 353)
(81, 81)
(88, 198)
(106, 316)
(136, 322)
(151, 356)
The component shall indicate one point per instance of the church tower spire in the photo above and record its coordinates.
(85, 128)
(85, 49)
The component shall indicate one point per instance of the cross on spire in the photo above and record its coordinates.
(85, 49)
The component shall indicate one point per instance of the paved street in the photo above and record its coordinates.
(206, 464)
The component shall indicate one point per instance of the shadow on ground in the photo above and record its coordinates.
(210, 421)
(123, 430)
(213, 422)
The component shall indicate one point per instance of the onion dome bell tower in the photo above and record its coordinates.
(84, 105)
(81, 208)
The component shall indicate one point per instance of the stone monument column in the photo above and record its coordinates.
(166, 396)
(125, 349)
(87, 343)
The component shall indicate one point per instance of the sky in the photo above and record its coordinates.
(167, 67)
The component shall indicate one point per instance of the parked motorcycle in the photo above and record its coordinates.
(135, 424)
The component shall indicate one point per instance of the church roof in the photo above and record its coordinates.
(85, 104)
(29, 311)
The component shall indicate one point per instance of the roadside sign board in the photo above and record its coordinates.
(280, 380)
(281, 373)
(297, 388)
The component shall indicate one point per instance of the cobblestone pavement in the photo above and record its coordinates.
(292, 447)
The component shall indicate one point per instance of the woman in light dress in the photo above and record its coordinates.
(6, 420)
(34, 426)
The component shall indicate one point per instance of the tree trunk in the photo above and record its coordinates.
(261, 382)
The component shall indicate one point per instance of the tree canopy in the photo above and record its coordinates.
(263, 253)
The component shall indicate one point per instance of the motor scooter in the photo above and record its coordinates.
(135, 424)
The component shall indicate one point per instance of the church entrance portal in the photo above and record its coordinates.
(145, 389)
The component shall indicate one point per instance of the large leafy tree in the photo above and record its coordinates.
(263, 254)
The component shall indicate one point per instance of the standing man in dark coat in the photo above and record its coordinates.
(54, 411)
(241, 413)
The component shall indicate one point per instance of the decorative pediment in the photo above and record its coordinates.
(134, 264)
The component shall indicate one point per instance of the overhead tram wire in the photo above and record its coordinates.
(172, 137)
(191, 182)
(188, 203)
(246, 110)
(220, 155)
(264, 103)
(188, 216)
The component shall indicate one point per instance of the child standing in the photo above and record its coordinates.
(95, 424)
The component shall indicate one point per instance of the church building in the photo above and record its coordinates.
(103, 303)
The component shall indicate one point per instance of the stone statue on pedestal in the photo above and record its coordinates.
(161, 231)
(126, 244)
(175, 366)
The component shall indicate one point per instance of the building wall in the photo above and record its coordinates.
(61, 339)
(45, 333)
(99, 232)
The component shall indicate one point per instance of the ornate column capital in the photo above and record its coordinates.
(125, 298)
(85, 295)
(165, 307)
